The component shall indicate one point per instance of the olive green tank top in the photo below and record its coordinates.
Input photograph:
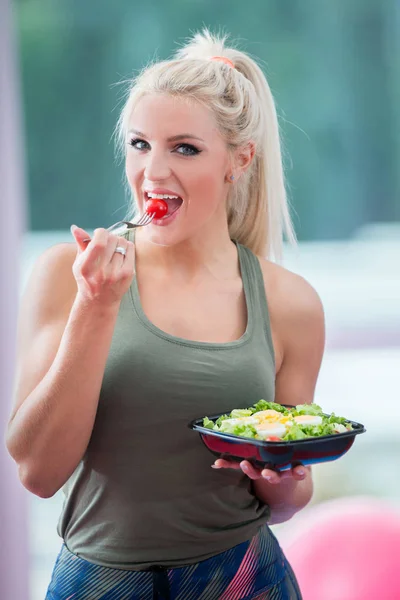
(144, 493)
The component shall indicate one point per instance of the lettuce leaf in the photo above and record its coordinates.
(335, 419)
(318, 430)
(264, 405)
(307, 409)
(238, 429)
(208, 423)
(241, 412)
(294, 433)
(220, 419)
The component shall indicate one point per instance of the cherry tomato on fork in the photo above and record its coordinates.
(157, 207)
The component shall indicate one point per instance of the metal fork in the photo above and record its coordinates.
(145, 219)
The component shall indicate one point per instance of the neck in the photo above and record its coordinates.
(213, 255)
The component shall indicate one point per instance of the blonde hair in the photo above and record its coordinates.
(243, 105)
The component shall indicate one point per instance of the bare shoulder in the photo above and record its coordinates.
(62, 254)
(59, 256)
(51, 286)
(290, 296)
(298, 329)
(296, 315)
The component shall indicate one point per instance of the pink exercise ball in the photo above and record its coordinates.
(346, 549)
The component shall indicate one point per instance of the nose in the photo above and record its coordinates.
(157, 167)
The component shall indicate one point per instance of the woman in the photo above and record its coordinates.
(124, 340)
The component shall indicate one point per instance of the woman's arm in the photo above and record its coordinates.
(63, 344)
(297, 319)
(299, 323)
(67, 319)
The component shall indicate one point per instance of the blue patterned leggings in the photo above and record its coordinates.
(254, 570)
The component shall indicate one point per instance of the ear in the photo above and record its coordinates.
(242, 159)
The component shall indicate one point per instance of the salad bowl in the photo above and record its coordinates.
(306, 444)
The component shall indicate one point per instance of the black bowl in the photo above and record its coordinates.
(276, 455)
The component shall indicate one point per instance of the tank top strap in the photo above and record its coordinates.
(253, 278)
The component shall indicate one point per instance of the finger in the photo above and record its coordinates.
(80, 234)
(221, 463)
(96, 249)
(129, 263)
(250, 470)
(108, 242)
(116, 258)
(299, 472)
(272, 476)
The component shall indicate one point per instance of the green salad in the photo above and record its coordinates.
(270, 421)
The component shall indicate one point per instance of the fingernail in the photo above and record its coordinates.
(301, 472)
(72, 228)
(215, 467)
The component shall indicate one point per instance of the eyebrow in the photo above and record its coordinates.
(174, 138)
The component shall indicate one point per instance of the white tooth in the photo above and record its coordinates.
(161, 196)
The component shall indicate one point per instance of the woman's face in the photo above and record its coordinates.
(175, 148)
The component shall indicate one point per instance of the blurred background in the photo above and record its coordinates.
(334, 69)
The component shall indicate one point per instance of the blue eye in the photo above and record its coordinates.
(184, 149)
(136, 144)
(187, 150)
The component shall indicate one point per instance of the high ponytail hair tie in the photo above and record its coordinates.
(224, 60)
